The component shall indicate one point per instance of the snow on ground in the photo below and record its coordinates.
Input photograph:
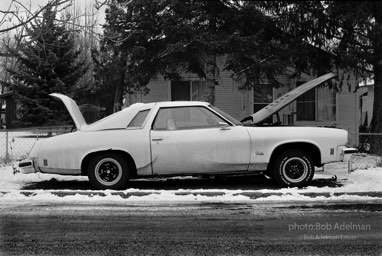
(360, 184)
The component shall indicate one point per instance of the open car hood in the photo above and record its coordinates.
(286, 99)
(73, 109)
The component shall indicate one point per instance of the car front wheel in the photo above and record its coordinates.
(108, 171)
(294, 168)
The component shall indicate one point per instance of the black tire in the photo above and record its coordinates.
(293, 168)
(108, 171)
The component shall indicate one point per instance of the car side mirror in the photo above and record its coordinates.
(224, 126)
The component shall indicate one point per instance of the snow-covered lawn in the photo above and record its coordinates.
(366, 178)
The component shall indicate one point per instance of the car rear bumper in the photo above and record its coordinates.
(27, 166)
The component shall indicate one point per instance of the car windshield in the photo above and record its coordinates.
(226, 116)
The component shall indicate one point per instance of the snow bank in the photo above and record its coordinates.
(357, 185)
(365, 161)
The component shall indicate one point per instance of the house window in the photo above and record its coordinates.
(188, 90)
(318, 104)
(306, 110)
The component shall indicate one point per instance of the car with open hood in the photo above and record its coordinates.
(186, 138)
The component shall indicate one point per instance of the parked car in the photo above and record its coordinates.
(186, 138)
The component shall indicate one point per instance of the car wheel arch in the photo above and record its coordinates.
(307, 147)
(86, 160)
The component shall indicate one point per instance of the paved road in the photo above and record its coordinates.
(179, 228)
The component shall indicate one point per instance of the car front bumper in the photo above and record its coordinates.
(344, 153)
(347, 153)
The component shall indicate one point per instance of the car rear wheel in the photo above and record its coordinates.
(294, 168)
(108, 171)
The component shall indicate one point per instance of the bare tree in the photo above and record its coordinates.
(84, 22)
(19, 14)
(7, 60)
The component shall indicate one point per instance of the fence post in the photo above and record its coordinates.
(6, 146)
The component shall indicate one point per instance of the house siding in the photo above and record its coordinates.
(158, 91)
(230, 99)
(348, 111)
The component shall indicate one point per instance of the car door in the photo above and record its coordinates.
(194, 139)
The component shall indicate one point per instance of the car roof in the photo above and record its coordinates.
(181, 103)
(161, 104)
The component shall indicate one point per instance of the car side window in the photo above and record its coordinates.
(139, 119)
(178, 118)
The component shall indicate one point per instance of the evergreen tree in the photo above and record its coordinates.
(47, 63)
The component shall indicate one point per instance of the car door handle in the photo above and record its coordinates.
(157, 139)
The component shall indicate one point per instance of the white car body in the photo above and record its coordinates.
(153, 148)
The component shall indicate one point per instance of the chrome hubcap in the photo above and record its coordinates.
(108, 171)
(295, 169)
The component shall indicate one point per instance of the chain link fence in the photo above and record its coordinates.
(365, 141)
(16, 144)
